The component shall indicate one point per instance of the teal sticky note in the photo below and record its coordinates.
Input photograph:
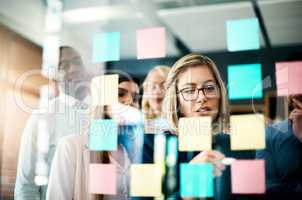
(245, 81)
(103, 135)
(243, 34)
(196, 180)
(106, 47)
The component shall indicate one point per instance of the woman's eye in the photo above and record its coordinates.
(210, 88)
(189, 91)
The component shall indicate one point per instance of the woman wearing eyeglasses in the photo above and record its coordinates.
(194, 88)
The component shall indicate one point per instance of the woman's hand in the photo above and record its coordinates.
(211, 156)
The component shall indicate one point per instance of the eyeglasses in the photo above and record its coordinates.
(151, 86)
(123, 92)
(192, 93)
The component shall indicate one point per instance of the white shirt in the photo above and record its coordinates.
(65, 116)
(69, 178)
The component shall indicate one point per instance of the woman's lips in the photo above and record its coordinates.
(204, 111)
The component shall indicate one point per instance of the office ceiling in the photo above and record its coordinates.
(199, 24)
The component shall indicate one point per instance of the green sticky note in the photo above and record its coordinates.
(196, 180)
(243, 34)
(106, 47)
(245, 81)
(103, 135)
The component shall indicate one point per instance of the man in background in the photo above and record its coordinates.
(67, 114)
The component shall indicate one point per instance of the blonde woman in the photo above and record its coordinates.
(194, 88)
(153, 96)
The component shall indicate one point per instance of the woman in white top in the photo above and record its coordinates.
(69, 175)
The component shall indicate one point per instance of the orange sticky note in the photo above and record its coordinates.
(247, 132)
(102, 179)
(151, 43)
(248, 177)
(104, 90)
(146, 180)
(288, 78)
(195, 134)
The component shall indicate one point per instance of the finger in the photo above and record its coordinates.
(216, 163)
(214, 154)
(297, 103)
(217, 172)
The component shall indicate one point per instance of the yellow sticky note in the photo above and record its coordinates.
(104, 90)
(195, 134)
(146, 180)
(247, 132)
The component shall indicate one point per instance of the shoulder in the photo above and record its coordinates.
(72, 143)
(279, 130)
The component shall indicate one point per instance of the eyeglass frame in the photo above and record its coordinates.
(198, 91)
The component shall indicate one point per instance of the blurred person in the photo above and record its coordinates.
(66, 115)
(153, 95)
(70, 169)
(283, 154)
(154, 122)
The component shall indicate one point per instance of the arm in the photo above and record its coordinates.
(25, 188)
(61, 180)
(268, 155)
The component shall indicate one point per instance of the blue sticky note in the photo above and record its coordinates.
(243, 34)
(245, 81)
(103, 134)
(106, 47)
(196, 180)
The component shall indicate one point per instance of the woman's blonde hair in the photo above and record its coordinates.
(171, 103)
(148, 113)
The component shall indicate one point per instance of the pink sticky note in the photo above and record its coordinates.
(102, 179)
(288, 78)
(151, 43)
(248, 177)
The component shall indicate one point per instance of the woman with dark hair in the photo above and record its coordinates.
(70, 169)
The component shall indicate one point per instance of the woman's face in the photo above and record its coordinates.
(198, 92)
(128, 93)
(154, 89)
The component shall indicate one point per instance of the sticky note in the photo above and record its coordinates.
(146, 180)
(245, 81)
(103, 135)
(102, 179)
(151, 43)
(195, 134)
(196, 180)
(106, 47)
(243, 34)
(248, 177)
(288, 78)
(104, 90)
(247, 132)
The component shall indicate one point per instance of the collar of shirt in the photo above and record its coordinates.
(67, 99)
